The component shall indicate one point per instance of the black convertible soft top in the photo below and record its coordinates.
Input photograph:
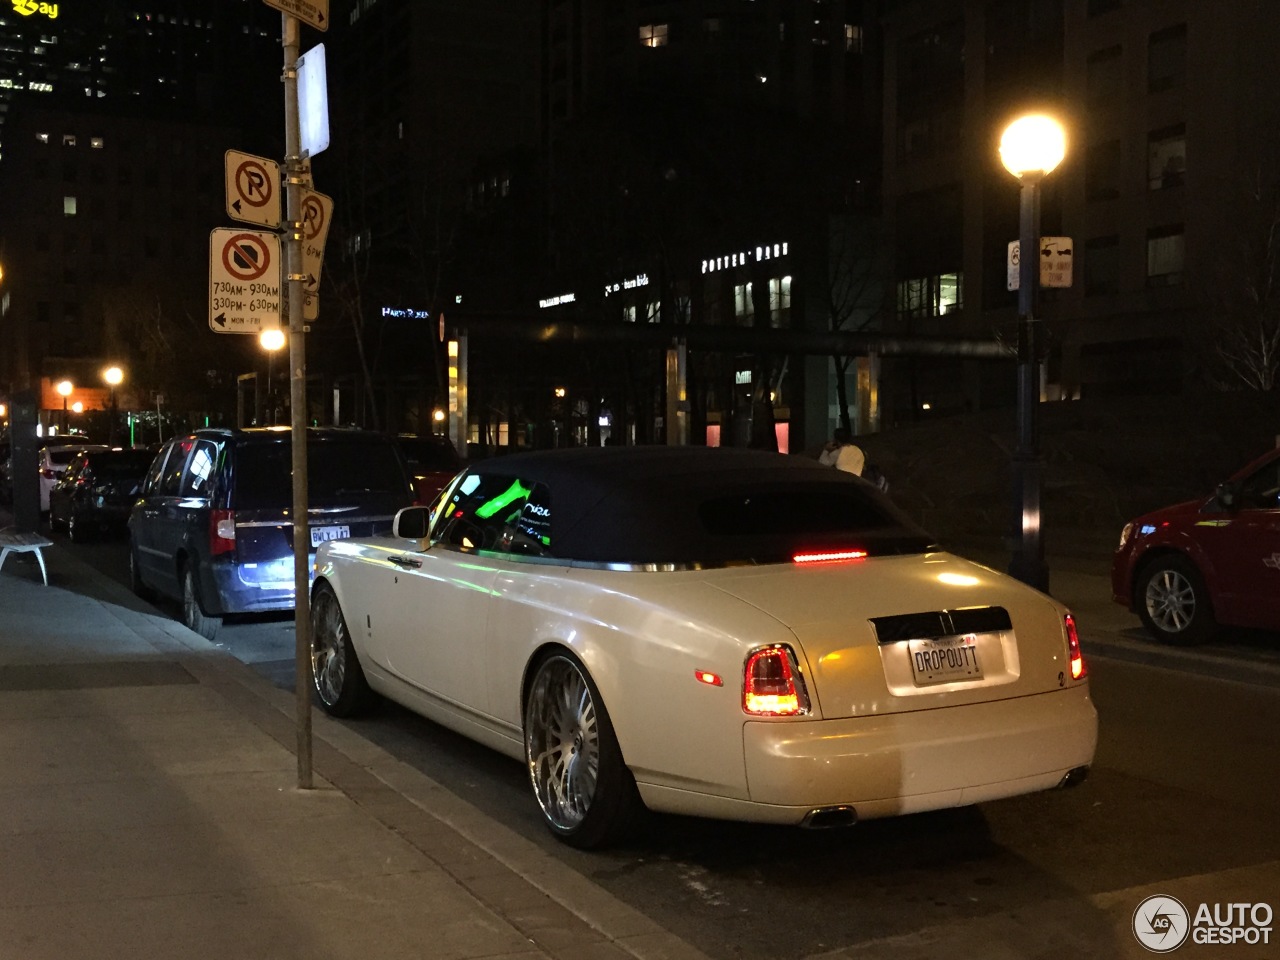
(704, 505)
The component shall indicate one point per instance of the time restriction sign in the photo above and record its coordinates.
(244, 280)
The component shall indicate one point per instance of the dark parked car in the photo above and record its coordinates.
(433, 462)
(1188, 568)
(212, 527)
(97, 490)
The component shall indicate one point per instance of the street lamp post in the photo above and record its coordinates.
(1031, 147)
(271, 340)
(64, 388)
(114, 376)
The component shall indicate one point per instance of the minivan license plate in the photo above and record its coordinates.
(944, 660)
(321, 535)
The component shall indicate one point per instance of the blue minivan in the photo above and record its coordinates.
(213, 529)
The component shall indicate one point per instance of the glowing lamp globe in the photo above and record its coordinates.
(271, 339)
(1033, 144)
(64, 388)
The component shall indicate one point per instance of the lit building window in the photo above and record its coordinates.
(744, 310)
(629, 313)
(653, 311)
(95, 143)
(654, 35)
(68, 139)
(931, 296)
(42, 137)
(852, 38)
(779, 301)
(68, 206)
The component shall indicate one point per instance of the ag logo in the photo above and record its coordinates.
(1161, 924)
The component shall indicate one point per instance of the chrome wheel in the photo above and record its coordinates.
(193, 614)
(562, 743)
(1171, 601)
(336, 673)
(328, 648)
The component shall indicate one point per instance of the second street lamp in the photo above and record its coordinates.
(64, 389)
(1031, 147)
(271, 340)
(113, 376)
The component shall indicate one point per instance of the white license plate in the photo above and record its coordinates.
(321, 535)
(944, 660)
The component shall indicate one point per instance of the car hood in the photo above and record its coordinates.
(1177, 511)
(855, 623)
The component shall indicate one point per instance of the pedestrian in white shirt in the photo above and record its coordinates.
(842, 453)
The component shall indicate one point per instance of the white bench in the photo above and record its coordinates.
(13, 541)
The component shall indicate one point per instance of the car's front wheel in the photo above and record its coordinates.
(1173, 602)
(587, 794)
(77, 530)
(193, 614)
(336, 673)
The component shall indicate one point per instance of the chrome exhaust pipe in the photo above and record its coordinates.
(827, 818)
(1073, 777)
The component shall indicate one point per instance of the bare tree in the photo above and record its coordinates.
(1241, 288)
(857, 288)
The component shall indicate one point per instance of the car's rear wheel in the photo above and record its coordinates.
(1173, 602)
(193, 614)
(587, 794)
(336, 673)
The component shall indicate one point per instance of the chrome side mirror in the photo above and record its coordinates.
(412, 523)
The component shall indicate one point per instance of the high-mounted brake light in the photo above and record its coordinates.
(222, 531)
(1078, 668)
(829, 555)
(772, 685)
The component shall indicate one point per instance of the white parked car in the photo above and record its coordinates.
(53, 463)
(724, 633)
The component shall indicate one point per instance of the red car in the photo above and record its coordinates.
(1189, 568)
(433, 462)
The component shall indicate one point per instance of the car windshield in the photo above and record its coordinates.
(336, 470)
(120, 466)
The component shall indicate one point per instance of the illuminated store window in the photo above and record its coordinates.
(68, 206)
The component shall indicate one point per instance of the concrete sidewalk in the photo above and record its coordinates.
(148, 809)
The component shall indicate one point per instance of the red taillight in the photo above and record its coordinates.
(222, 531)
(772, 686)
(1078, 669)
(48, 474)
(828, 555)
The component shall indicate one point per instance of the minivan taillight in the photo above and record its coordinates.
(772, 685)
(222, 531)
(1078, 668)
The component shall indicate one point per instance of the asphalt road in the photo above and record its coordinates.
(1181, 801)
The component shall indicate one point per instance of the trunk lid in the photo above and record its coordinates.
(895, 634)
